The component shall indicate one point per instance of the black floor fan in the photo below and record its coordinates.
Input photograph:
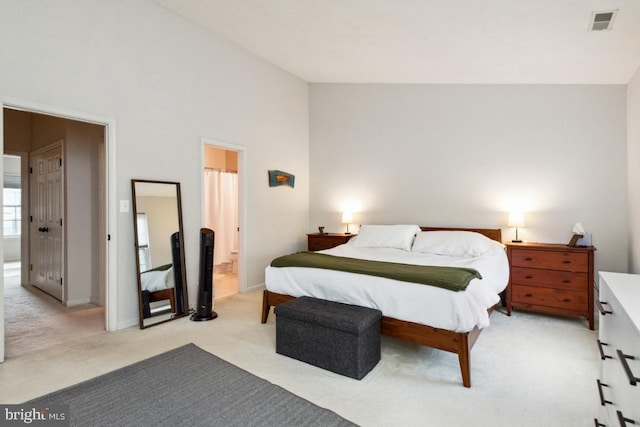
(205, 285)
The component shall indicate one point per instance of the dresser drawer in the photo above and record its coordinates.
(549, 278)
(319, 242)
(553, 260)
(560, 299)
(620, 338)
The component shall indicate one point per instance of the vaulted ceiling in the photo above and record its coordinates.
(430, 41)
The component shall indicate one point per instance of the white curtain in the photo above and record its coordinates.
(221, 212)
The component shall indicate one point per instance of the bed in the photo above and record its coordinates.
(157, 284)
(425, 315)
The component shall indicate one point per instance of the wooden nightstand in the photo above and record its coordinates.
(553, 278)
(318, 242)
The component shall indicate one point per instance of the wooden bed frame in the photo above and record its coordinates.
(161, 295)
(443, 339)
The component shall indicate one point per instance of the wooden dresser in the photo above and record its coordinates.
(318, 242)
(619, 343)
(550, 277)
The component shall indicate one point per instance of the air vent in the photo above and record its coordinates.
(602, 20)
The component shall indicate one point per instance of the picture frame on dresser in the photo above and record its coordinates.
(574, 240)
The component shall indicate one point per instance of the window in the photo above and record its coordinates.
(12, 212)
(12, 196)
(144, 253)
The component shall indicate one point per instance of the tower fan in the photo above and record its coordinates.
(176, 259)
(205, 284)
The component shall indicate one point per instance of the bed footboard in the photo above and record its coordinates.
(271, 299)
(442, 339)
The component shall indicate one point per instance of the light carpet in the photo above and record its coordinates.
(35, 320)
(526, 370)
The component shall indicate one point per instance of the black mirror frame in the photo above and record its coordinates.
(181, 279)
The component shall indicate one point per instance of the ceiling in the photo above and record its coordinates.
(430, 41)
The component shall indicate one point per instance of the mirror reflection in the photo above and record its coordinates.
(162, 285)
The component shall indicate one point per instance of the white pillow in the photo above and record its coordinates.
(385, 236)
(453, 243)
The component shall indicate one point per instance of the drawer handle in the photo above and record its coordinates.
(566, 281)
(528, 258)
(623, 359)
(602, 399)
(566, 261)
(528, 277)
(601, 308)
(602, 355)
(623, 421)
(528, 295)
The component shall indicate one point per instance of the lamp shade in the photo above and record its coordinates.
(347, 218)
(516, 219)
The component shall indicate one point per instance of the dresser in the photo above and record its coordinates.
(318, 242)
(552, 278)
(619, 344)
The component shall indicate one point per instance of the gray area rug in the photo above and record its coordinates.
(186, 386)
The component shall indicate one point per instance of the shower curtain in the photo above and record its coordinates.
(221, 212)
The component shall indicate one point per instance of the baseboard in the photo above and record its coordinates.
(258, 287)
(73, 303)
(127, 324)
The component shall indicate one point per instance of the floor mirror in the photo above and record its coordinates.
(159, 244)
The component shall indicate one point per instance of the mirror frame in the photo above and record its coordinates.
(179, 281)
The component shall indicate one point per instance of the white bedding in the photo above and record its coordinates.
(156, 280)
(428, 305)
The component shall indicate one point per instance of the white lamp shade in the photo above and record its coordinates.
(516, 219)
(347, 218)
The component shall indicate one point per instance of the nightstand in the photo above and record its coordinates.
(552, 278)
(318, 242)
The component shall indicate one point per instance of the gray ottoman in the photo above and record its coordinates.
(341, 338)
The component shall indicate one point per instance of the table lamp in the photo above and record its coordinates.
(516, 219)
(347, 218)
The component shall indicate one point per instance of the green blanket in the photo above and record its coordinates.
(451, 278)
(160, 268)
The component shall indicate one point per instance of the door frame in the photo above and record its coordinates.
(108, 216)
(242, 202)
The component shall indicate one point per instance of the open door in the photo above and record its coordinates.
(46, 220)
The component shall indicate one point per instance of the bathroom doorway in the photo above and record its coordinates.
(221, 215)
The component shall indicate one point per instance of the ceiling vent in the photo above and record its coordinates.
(602, 20)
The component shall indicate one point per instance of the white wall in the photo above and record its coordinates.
(459, 155)
(12, 249)
(633, 160)
(81, 146)
(162, 221)
(167, 83)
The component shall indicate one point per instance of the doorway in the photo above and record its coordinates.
(220, 184)
(80, 275)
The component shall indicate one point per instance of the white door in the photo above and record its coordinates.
(46, 251)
